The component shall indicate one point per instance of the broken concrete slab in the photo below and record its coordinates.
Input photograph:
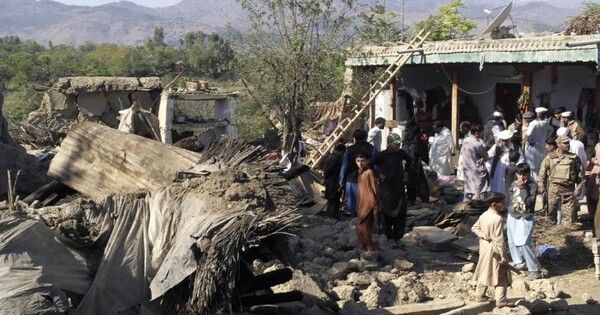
(433, 238)
(466, 256)
(467, 245)
(76, 85)
(427, 308)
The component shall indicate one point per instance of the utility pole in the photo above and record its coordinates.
(403, 16)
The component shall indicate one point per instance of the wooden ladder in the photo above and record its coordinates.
(367, 100)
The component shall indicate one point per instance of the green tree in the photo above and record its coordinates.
(292, 55)
(208, 55)
(379, 25)
(447, 22)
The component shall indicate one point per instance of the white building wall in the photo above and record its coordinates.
(481, 85)
(570, 81)
(383, 105)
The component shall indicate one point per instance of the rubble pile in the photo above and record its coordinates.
(14, 157)
(585, 23)
(189, 236)
(34, 136)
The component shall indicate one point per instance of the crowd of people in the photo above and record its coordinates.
(507, 166)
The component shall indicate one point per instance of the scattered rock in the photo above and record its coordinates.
(538, 306)
(371, 296)
(520, 285)
(384, 277)
(404, 265)
(349, 255)
(520, 310)
(339, 270)
(545, 286)
(360, 280)
(352, 308)
(470, 267)
(588, 299)
(323, 261)
(311, 290)
(559, 305)
(344, 292)
(357, 265)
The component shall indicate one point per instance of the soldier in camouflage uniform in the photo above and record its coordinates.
(563, 174)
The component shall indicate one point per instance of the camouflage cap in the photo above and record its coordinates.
(562, 139)
(394, 138)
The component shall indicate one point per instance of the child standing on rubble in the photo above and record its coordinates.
(492, 267)
(519, 222)
(368, 206)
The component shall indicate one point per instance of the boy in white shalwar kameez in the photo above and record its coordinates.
(519, 222)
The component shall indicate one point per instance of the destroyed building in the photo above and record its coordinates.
(98, 99)
(195, 110)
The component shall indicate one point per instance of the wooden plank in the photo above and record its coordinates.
(527, 86)
(455, 108)
(433, 238)
(96, 161)
(428, 308)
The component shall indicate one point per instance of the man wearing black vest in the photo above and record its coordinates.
(349, 172)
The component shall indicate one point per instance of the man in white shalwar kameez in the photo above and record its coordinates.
(375, 135)
(442, 148)
(536, 134)
(499, 160)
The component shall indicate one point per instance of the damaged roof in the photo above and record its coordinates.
(76, 85)
(546, 49)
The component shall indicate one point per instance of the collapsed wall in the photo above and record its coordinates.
(98, 99)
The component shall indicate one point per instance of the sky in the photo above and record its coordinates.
(146, 3)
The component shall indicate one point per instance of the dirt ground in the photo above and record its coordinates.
(569, 272)
(571, 269)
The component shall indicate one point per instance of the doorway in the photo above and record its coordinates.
(507, 95)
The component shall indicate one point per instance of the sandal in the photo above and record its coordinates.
(503, 304)
(481, 299)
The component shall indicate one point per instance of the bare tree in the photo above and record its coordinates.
(292, 56)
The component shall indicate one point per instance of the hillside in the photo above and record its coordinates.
(126, 23)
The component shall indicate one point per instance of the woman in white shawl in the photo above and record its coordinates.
(499, 160)
(442, 148)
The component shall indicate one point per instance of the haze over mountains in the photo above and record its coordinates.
(126, 23)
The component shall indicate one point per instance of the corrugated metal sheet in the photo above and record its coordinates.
(548, 49)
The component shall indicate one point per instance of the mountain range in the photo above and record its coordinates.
(126, 23)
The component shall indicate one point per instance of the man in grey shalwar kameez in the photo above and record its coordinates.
(473, 158)
(536, 133)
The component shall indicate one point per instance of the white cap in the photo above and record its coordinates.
(505, 135)
(562, 131)
(541, 110)
(567, 114)
(497, 114)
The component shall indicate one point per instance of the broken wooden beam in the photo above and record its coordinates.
(43, 192)
(97, 161)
